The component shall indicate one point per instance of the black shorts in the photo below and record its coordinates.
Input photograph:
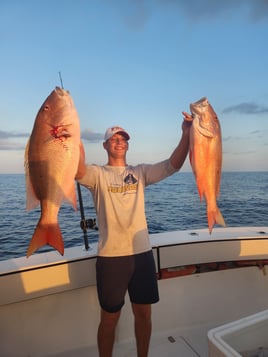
(117, 275)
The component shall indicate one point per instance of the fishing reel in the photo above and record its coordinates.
(88, 224)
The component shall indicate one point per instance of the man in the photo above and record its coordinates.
(125, 261)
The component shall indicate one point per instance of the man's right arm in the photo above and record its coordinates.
(81, 170)
(179, 155)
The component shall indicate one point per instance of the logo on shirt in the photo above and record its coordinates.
(130, 179)
(129, 183)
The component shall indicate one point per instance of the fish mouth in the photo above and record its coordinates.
(198, 107)
(203, 100)
(60, 91)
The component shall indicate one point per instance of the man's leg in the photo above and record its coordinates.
(106, 332)
(143, 328)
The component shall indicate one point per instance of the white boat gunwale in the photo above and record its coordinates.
(78, 253)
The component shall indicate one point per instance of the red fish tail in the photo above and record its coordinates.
(46, 234)
(213, 218)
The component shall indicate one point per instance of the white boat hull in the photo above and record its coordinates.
(49, 306)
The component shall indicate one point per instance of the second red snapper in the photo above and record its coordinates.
(206, 157)
(51, 162)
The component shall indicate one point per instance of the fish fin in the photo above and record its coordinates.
(190, 156)
(71, 197)
(206, 132)
(200, 188)
(215, 217)
(31, 200)
(200, 192)
(205, 128)
(46, 234)
(198, 181)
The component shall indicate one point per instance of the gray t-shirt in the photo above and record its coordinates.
(118, 194)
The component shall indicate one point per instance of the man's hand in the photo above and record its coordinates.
(187, 117)
(187, 123)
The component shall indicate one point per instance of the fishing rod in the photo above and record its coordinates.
(84, 223)
(61, 80)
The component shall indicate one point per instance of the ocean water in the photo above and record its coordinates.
(172, 204)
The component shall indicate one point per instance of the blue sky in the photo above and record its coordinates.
(138, 64)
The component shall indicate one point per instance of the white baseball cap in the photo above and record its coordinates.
(115, 130)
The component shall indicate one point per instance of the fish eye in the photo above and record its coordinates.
(46, 107)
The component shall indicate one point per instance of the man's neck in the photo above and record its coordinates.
(116, 162)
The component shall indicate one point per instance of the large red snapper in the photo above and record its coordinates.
(206, 157)
(51, 162)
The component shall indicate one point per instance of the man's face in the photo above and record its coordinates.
(117, 145)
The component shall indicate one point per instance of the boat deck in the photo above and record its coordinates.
(191, 343)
